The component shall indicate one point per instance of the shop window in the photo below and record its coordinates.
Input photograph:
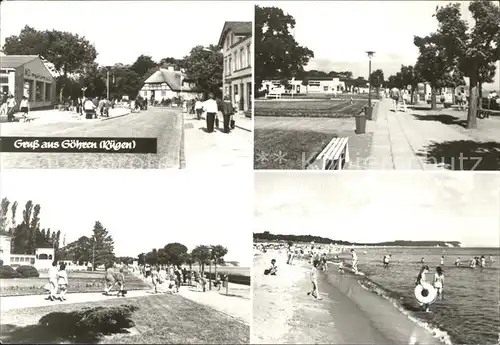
(38, 91)
(32, 261)
(325, 88)
(43, 257)
(28, 89)
(50, 256)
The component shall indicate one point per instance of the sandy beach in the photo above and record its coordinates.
(284, 313)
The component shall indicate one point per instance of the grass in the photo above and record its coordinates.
(159, 319)
(287, 149)
(319, 108)
(78, 282)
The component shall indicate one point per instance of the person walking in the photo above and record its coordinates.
(89, 108)
(11, 105)
(210, 107)
(62, 281)
(53, 281)
(198, 108)
(25, 107)
(395, 94)
(227, 112)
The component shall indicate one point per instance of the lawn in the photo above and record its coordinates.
(159, 319)
(281, 149)
(78, 282)
(316, 108)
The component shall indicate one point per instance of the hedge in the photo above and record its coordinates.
(7, 272)
(28, 272)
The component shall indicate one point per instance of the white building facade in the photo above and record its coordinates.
(167, 83)
(314, 85)
(27, 75)
(236, 44)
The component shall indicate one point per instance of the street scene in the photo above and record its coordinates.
(98, 273)
(65, 79)
(414, 95)
(403, 262)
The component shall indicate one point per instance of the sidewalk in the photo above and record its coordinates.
(218, 149)
(53, 116)
(402, 140)
(21, 302)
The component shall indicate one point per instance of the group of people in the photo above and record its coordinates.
(402, 97)
(8, 106)
(213, 108)
(58, 282)
(94, 107)
(476, 262)
(437, 283)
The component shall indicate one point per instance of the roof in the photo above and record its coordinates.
(238, 28)
(15, 61)
(171, 78)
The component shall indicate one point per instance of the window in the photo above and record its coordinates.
(50, 256)
(4, 80)
(43, 257)
(227, 42)
(32, 261)
(3, 71)
(230, 69)
(16, 259)
(242, 65)
(28, 89)
(38, 91)
(314, 83)
(249, 56)
(236, 61)
(48, 92)
(325, 88)
(21, 259)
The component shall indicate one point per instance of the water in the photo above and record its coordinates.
(469, 313)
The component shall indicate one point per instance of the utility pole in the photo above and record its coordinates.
(107, 84)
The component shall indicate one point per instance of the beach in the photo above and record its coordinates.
(284, 313)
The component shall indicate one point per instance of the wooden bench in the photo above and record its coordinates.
(333, 157)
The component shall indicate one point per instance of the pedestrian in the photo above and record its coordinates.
(394, 93)
(62, 281)
(53, 281)
(314, 280)
(3, 104)
(11, 105)
(25, 107)
(210, 107)
(89, 108)
(198, 108)
(227, 111)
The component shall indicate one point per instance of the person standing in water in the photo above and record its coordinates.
(442, 260)
(457, 262)
(421, 278)
(314, 280)
(387, 259)
(422, 261)
(439, 282)
(483, 261)
(354, 261)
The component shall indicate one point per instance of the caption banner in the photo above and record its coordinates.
(78, 145)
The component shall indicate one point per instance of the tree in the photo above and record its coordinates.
(176, 252)
(474, 50)
(201, 254)
(178, 64)
(152, 257)
(218, 253)
(377, 79)
(143, 64)
(103, 245)
(410, 76)
(305, 82)
(4, 216)
(277, 54)
(204, 67)
(189, 260)
(66, 51)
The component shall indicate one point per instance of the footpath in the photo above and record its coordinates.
(204, 150)
(57, 116)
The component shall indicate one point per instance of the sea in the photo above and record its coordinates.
(470, 310)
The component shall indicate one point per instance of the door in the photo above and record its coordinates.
(298, 88)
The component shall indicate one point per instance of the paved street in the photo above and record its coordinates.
(163, 124)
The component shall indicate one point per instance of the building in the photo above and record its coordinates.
(316, 85)
(42, 260)
(27, 75)
(167, 83)
(235, 42)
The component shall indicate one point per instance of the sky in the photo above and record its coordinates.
(377, 207)
(123, 30)
(340, 32)
(142, 209)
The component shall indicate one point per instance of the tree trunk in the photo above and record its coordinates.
(433, 98)
(472, 114)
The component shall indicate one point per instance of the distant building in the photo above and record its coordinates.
(167, 83)
(42, 259)
(27, 75)
(317, 85)
(236, 44)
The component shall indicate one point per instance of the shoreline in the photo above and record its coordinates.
(347, 306)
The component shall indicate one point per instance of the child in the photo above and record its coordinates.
(155, 278)
(25, 105)
(272, 270)
(62, 281)
(314, 280)
(421, 278)
(341, 267)
(439, 282)
(53, 285)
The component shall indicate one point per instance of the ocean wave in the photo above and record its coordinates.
(394, 298)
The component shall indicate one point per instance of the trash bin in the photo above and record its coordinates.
(360, 123)
(369, 112)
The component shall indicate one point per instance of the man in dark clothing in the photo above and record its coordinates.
(227, 110)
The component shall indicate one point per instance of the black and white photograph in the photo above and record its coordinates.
(173, 71)
(376, 258)
(378, 85)
(124, 257)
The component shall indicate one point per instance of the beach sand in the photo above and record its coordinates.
(284, 313)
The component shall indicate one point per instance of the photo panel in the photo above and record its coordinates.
(338, 87)
(343, 258)
(152, 95)
(125, 257)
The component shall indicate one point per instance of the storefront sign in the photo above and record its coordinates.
(29, 74)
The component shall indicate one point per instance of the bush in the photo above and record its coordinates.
(28, 272)
(8, 272)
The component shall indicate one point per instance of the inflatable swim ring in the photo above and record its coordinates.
(425, 293)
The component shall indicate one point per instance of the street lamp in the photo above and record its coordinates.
(369, 109)
(210, 270)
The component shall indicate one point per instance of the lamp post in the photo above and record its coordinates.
(210, 270)
(93, 253)
(107, 83)
(369, 109)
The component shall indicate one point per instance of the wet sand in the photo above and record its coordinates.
(283, 313)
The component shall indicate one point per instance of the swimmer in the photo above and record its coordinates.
(457, 262)
(421, 278)
(422, 261)
(439, 282)
(314, 280)
(483, 261)
(472, 263)
(387, 259)
(354, 261)
(341, 267)
(442, 260)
